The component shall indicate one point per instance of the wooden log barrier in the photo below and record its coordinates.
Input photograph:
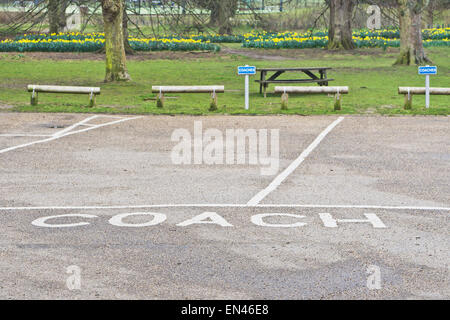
(410, 91)
(35, 89)
(213, 90)
(337, 91)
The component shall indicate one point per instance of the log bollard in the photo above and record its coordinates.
(284, 101)
(213, 104)
(337, 101)
(160, 100)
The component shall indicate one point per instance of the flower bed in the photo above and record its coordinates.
(78, 42)
(362, 39)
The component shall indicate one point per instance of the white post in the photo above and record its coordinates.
(427, 93)
(247, 91)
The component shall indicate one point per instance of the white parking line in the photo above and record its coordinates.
(113, 117)
(55, 137)
(294, 165)
(62, 132)
(59, 133)
(102, 125)
(206, 205)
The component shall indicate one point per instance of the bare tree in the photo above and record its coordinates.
(222, 11)
(409, 15)
(434, 8)
(116, 68)
(126, 43)
(56, 12)
(340, 30)
(411, 45)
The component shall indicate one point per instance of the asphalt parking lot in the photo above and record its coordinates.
(353, 199)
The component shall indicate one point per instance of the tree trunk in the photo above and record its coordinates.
(57, 15)
(430, 10)
(340, 31)
(116, 69)
(215, 10)
(331, 30)
(411, 46)
(53, 15)
(126, 43)
(227, 10)
(62, 17)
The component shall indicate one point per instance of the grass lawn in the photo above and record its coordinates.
(369, 73)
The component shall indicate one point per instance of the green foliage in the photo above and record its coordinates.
(369, 73)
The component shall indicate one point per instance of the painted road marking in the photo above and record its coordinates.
(208, 218)
(70, 128)
(294, 165)
(372, 218)
(64, 133)
(87, 125)
(258, 219)
(102, 125)
(117, 220)
(42, 222)
(205, 205)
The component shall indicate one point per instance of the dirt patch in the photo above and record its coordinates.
(258, 54)
(299, 54)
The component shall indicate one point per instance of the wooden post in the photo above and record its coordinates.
(260, 82)
(265, 84)
(284, 101)
(160, 100)
(408, 101)
(337, 102)
(321, 78)
(263, 78)
(92, 100)
(213, 104)
(34, 98)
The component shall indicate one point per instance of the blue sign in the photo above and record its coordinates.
(246, 71)
(427, 70)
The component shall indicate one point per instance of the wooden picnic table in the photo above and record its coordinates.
(320, 78)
